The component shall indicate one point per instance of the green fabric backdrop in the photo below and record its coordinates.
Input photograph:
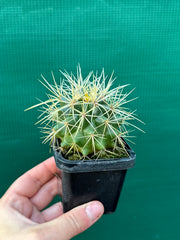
(140, 40)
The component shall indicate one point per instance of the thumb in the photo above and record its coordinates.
(73, 222)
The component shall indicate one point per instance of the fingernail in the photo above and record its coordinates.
(94, 210)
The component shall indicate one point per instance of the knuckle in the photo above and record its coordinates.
(74, 222)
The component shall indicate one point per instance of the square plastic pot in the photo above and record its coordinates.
(84, 181)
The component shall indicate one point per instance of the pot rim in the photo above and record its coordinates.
(95, 165)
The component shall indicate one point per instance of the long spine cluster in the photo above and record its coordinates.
(85, 116)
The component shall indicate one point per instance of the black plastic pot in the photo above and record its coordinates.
(84, 181)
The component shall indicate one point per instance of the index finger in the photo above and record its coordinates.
(30, 183)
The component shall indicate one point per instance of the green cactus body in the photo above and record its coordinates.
(86, 117)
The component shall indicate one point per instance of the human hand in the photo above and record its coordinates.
(21, 208)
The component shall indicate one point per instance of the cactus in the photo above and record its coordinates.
(85, 118)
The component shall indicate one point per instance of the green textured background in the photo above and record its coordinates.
(140, 40)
